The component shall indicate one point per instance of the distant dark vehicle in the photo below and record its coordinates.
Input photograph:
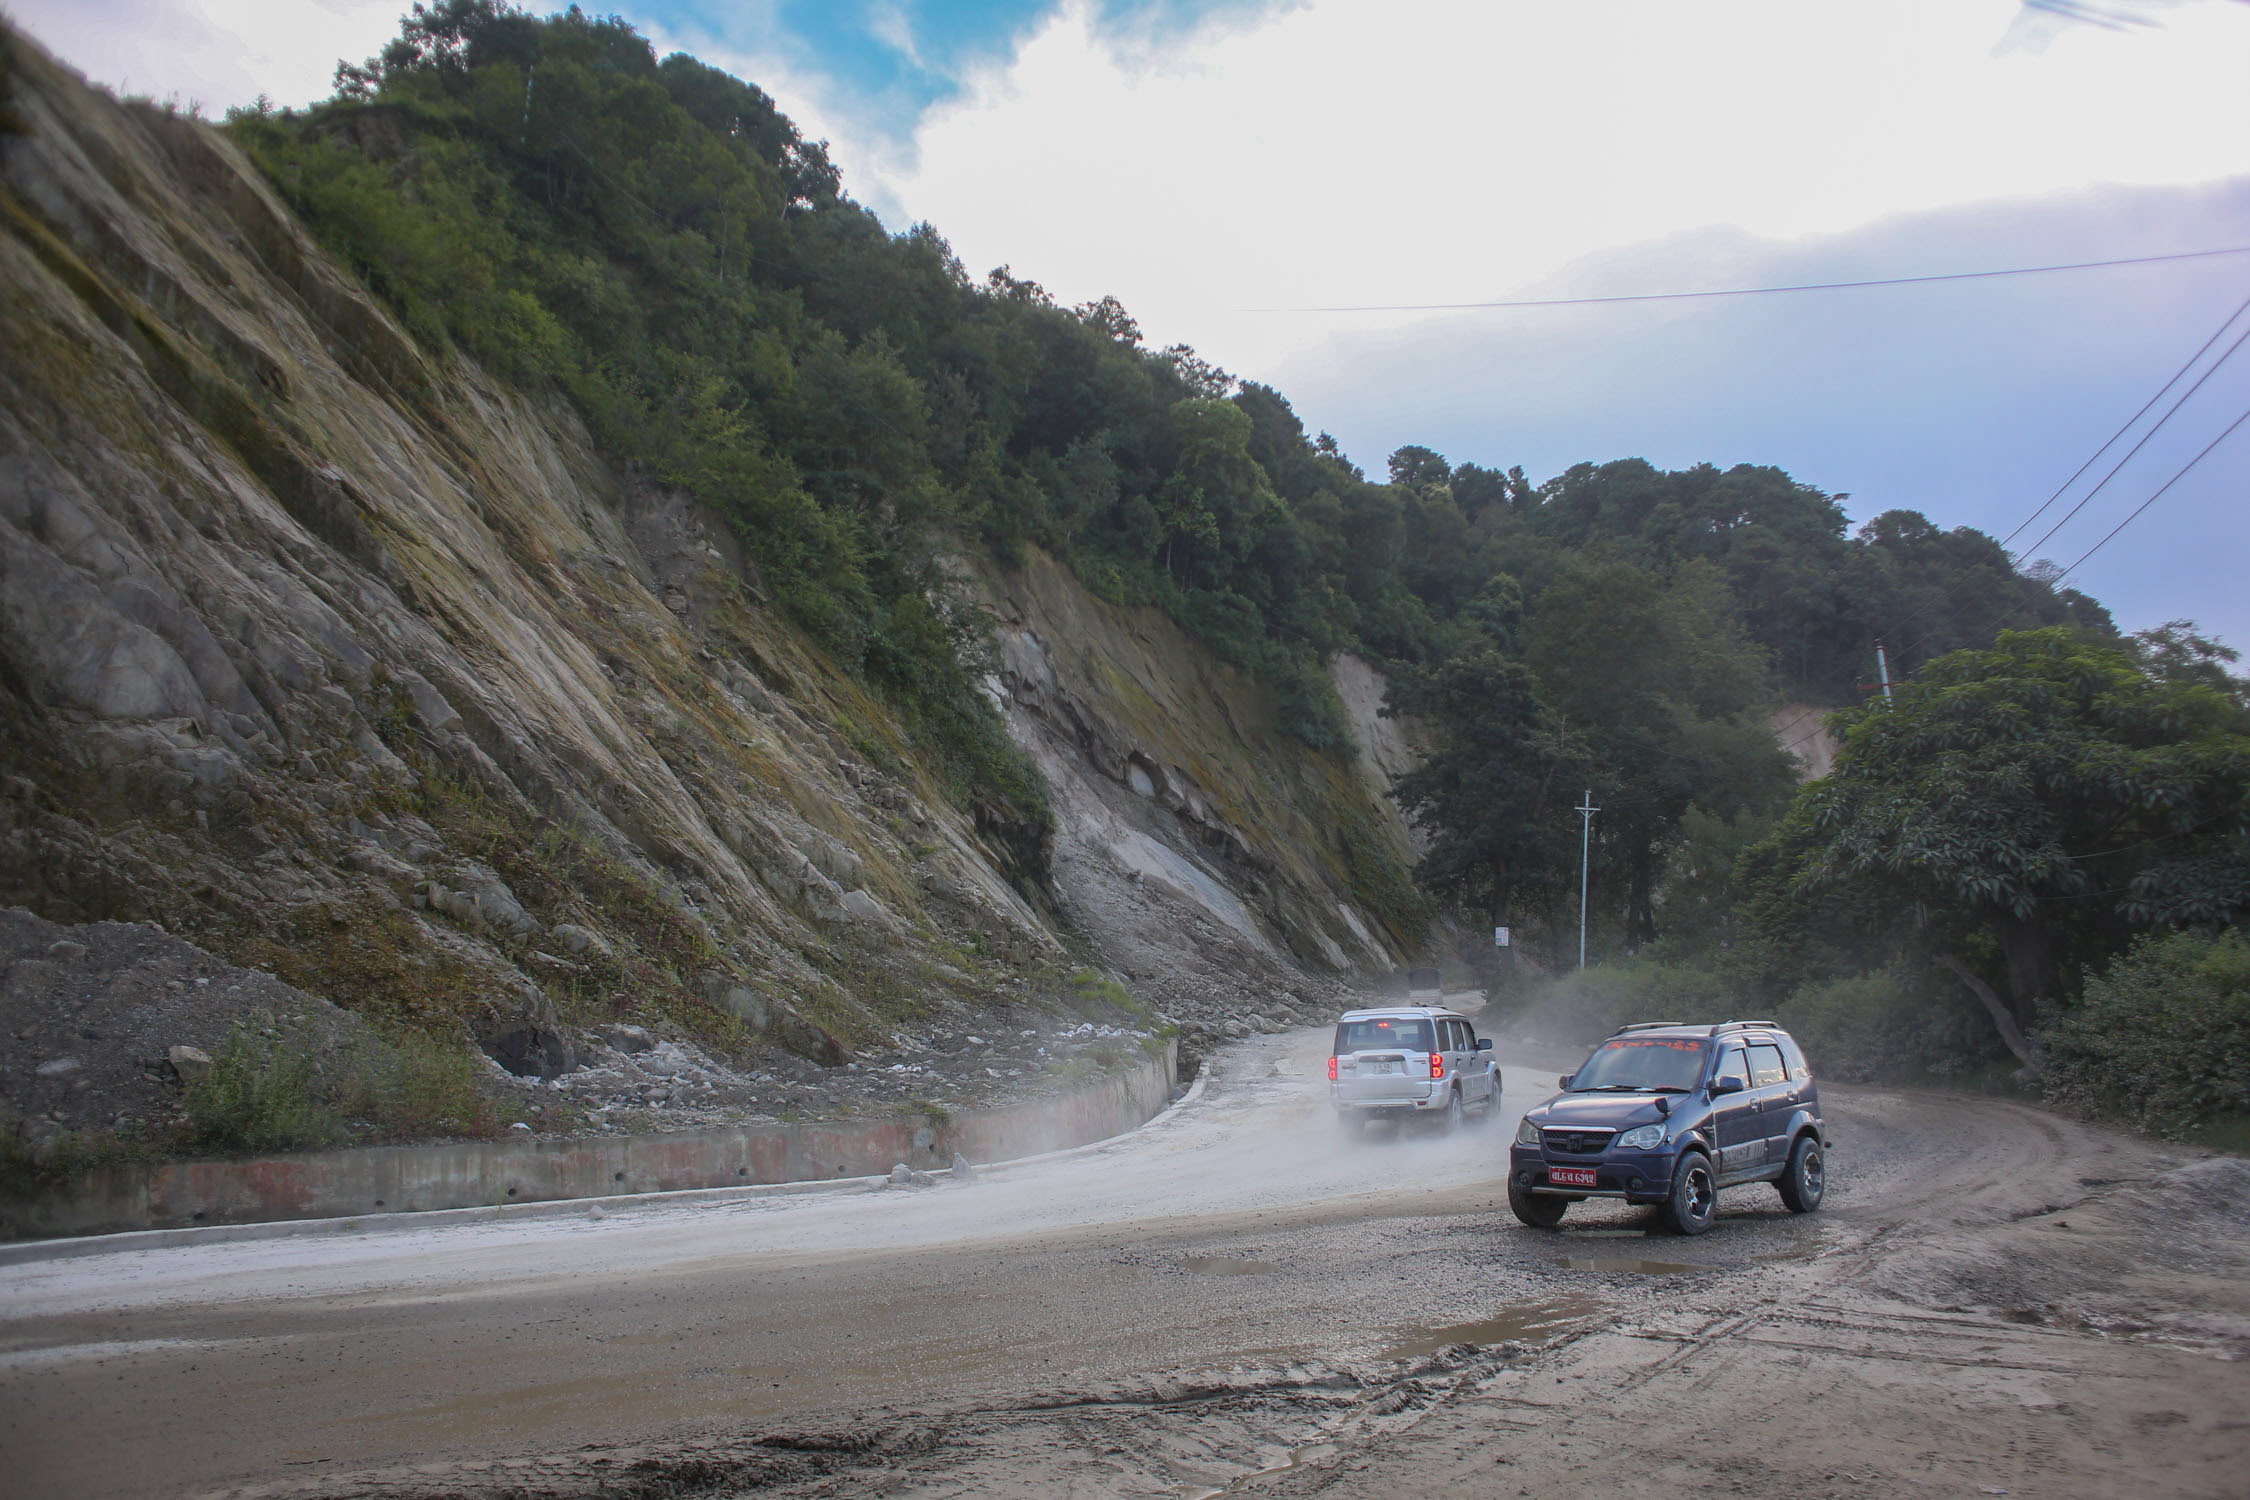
(1403, 1061)
(1426, 984)
(1669, 1114)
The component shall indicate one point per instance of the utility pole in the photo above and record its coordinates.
(1586, 811)
(1883, 670)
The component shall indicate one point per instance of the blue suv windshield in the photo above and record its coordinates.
(1667, 1065)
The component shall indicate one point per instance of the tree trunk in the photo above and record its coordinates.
(1640, 902)
(2003, 1019)
(1503, 901)
(2031, 968)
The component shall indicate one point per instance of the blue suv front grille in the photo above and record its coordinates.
(1577, 1142)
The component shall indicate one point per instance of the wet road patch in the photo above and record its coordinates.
(1526, 1323)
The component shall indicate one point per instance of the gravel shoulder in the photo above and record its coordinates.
(1992, 1298)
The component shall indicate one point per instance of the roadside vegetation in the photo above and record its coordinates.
(2031, 865)
(269, 1091)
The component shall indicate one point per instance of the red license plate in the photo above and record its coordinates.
(1571, 1176)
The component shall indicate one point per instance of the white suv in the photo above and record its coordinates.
(1408, 1060)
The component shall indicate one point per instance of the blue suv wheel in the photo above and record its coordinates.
(1695, 1196)
(1806, 1178)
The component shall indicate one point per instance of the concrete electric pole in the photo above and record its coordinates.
(1586, 811)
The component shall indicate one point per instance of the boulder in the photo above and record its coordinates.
(742, 1001)
(191, 1063)
(529, 1050)
(836, 861)
(498, 907)
(866, 910)
(574, 939)
(962, 1171)
(628, 1039)
(459, 905)
(430, 706)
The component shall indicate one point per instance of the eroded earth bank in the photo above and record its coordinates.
(1231, 1300)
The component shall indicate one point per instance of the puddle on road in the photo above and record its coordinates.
(1620, 1265)
(1533, 1322)
(1216, 1265)
(1305, 1454)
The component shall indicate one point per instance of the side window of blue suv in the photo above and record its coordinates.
(1766, 1066)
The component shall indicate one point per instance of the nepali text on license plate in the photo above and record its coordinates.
(1386, 1065)
(1571, 1176)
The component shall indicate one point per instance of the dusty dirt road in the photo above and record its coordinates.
(1227, 1302)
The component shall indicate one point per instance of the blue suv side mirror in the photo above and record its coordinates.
(1729, 1084)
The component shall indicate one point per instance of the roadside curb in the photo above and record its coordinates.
(81, 1246)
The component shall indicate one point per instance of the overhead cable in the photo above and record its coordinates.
(2061, 489)
(2055, 584)
(2151, 500)
(2137, 447)
(1760, 291)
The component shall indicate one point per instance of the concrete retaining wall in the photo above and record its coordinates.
(472, 1174)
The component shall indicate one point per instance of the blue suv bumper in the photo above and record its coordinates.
(1633, 1175)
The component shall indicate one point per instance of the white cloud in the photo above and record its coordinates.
(1355, 151)
(214, 53)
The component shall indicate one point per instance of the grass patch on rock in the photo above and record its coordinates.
(268, 1091)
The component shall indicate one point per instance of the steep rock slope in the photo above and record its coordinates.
(341, 659)
(1202, 849)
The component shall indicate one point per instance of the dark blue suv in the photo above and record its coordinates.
(1668, 1114)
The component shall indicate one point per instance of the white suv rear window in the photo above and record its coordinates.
(1406, 1033)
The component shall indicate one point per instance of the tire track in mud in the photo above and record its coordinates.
(1276, 1440)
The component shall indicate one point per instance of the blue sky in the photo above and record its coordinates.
(1209, 160)
(890, 61)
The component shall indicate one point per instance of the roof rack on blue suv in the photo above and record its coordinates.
(1668, 1113)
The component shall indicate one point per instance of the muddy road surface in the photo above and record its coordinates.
(1233, 1300)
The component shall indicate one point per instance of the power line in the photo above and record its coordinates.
(2060, 490)
(2216, 334)
(2151, 500)
(2055, 583)
(1759, 291)
(2143, 443)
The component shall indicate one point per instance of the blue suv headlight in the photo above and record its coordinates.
(1527, 1134)
(1643, 1137)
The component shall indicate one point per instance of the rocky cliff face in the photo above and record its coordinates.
(337, 658)
(1205, 853)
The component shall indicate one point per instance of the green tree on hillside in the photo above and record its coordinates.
(1492, 792)
(1659, 682)
(2018, 813)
